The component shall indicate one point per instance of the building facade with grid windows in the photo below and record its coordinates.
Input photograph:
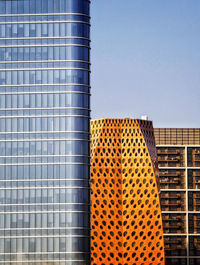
(178, 153)
(44, 131)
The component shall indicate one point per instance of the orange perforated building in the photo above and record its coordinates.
(126, 224)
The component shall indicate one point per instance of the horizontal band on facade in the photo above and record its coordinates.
(37, 180)
(181, 212)
(46, 132)
(43, 211)
(49, 228)
(48, 92)
(43, 260)
(44, 45)
(36, 253)
(180, 168)
(182, 257)
(32, 156)
(44, 108)
(42, 187)
(44, 236)
(45, 68)
(184, 234)
(46, 38)
(41, 140)
(43, 14)
(44, 204)
(44, 21)
(185, 146)
(182, 190)
(43, 116)
(47, 163)
(45, 61)
(44, 92)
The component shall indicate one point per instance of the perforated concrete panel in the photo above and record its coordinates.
(126, 224)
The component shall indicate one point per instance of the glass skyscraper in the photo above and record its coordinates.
(44, 131)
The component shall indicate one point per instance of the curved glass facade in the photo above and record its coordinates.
(44, 131)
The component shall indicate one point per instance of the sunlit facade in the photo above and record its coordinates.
(44, 131)
(126, 223)
(178, 152)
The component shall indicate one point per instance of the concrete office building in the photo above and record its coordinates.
(178, 153)
(126, 224)
(44, 131)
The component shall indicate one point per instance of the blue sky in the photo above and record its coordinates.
(146, 60)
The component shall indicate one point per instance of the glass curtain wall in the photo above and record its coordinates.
(44, 131)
